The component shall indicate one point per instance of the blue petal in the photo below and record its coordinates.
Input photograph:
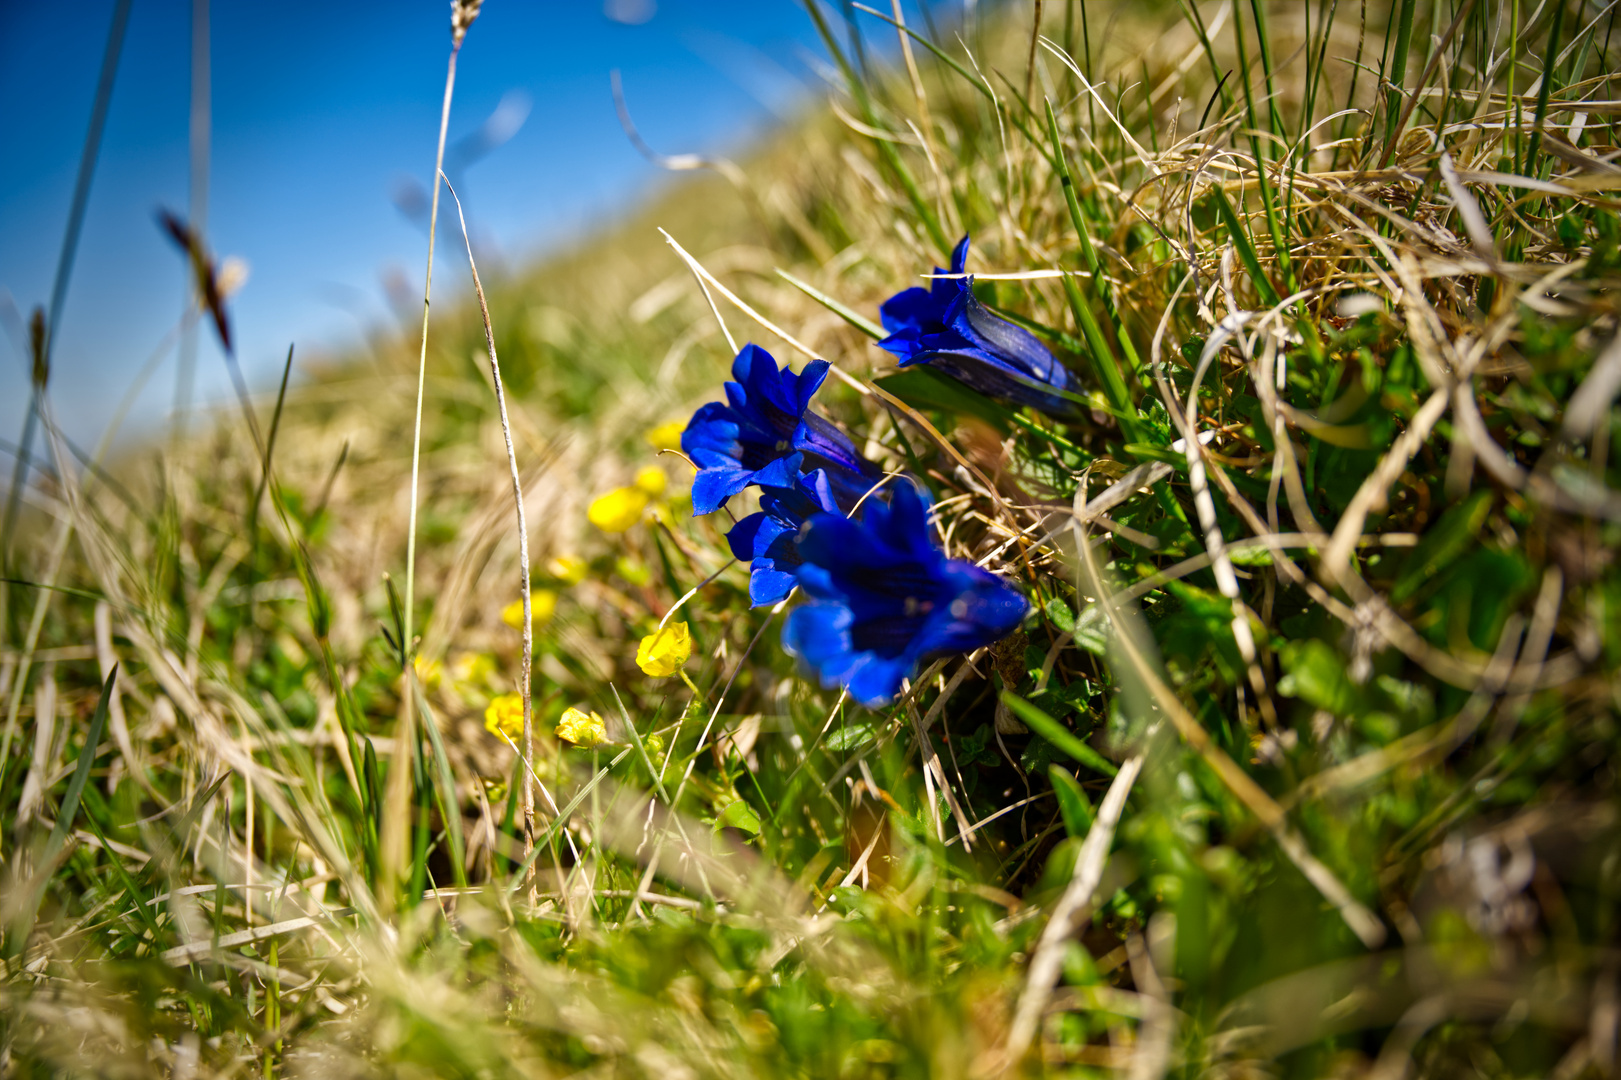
(767, 585)
(834, 541)
(877, 680)
(909, 309)
(712, 487)
(803, 387)
(905, 343)
(819, 635)
(1015, 344)
(741, 538)
(783, 472)
(977, 608)
(959, 255)
(818, 436)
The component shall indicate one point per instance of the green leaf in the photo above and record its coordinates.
(1060, 615)
(738, 815)
(1317, 676)
(851, 736)
(1057, 734)
(1073, 804)
(1092, 630)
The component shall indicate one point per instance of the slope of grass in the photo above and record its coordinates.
(1301, 765)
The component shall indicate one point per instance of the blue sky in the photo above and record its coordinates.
(319, 113)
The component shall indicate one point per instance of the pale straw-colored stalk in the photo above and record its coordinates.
(527, 801)
(463, 12)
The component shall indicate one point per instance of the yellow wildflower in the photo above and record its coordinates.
(542, 602)
(618, 510)
(581, 728)
(569, 569)
(662, 652)
(505, 716)
(429, 671)
(651, 479)
(667, 436)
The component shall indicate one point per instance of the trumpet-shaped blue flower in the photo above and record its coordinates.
(946, 327)
(884, 599)
(768, 540)
(765, 421)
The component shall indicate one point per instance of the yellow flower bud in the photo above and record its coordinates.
(651, 479)
(542, 602)
(505, 716)
(569, 569)
(618, 510)
(667, 436)
(662, 652)
(581, 728)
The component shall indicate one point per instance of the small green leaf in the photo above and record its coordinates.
(1073, 804)
(1316, 675)
(1092, 630)
(1258, 556)
(1060, 615)
(850, 737)
(738, 815)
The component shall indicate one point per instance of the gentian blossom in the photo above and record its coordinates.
(756, 436)
(768, 540)
(884, 599)
(946, 327)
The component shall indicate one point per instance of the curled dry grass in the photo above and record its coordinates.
(1321, 676)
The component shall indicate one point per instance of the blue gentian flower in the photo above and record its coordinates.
(768, 540)
(884, 599)
(764, 422)
(946, 327)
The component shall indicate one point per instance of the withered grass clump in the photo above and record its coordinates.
(1303, 763)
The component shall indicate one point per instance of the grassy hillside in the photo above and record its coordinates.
(1299, 763)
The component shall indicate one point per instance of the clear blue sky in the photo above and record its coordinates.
(319, 112)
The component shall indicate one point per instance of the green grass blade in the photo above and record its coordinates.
(445, 789)
(1057, 734)
(1397, 72)
(81, 772)
(854, 318)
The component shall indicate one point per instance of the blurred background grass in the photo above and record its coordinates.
(1377, 841)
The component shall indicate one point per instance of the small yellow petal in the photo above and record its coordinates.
(662, 652)
(542, 603)
(651, 479)
(505, 716)
(581, 728)
(667, 436)
(618, 510)
(569, 569)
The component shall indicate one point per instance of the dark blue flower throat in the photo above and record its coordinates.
(768, 540)
(765, 422)
(946, 327)
(884, 599)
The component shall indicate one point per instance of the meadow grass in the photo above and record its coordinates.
(1302, 763)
